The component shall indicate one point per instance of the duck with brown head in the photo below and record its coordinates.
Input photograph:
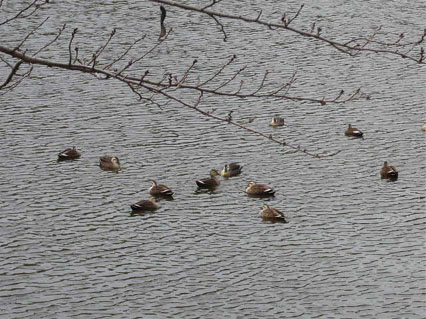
(389, 172)
(254, 189)
(160, 190)
(353, 131)
(270, 213)
(230, 170)
(210, 182)
(109, 163)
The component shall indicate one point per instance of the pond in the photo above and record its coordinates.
(354, 244)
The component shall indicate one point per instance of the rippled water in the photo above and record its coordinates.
(354, 246)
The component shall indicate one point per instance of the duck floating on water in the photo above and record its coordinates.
(210, 182)
(270, 213)
(109, 163)
(259, 189)
(353, 131)
(69, 154)
(232, 169)
(276, 121)
(160, 190)
(389, 171)
(145, 205)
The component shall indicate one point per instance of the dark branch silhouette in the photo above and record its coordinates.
(223, 82)
(162, 26)
(352, 47)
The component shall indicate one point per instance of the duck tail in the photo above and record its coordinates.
(135, 207)
(393, 174)
(167, 192)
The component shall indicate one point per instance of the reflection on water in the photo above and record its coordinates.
(271, 220)
(353, 244)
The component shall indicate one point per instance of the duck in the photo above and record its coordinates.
(230, 170)
(210, 182)
(145, 205)
(259, 189)
(69, 154)
(353, 131)
(159, 189)
(109, 163)
(276, 121)
(388, 171)
(271, 213)
(163, 28)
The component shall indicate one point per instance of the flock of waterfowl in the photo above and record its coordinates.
(387, 171)
(211, 183)
(158, 191)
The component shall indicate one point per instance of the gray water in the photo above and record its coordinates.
(354, 246)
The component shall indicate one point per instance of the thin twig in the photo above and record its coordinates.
(14, 85)
(29, 34)
(185, 75)
(221, 27)
(219, 71)
(341, 46)
(262, 83)
(125, 53)
(159, 87)
(11, 74)
(295, 16)
(21, 15)
(5, 62)
(51, 42)
(211, 4)
(229, 120)
(70, 43)
(102, 48)
(131, 62)
(225, 83)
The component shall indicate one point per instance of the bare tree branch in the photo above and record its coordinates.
(351, 47)
(148, 87)
(18, 47)
(12, 73)
(6, 62)
(221, 27)
(159, 88)
(102, 48)
(131, 62)
(225, 83)
(70, 43)
(51, 42)
(219, 71)
(212, 4)
(9, 88)
(125, 53)
(229, 120)
(288, 21)
(34, 6)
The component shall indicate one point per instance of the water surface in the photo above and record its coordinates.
(354, 246)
